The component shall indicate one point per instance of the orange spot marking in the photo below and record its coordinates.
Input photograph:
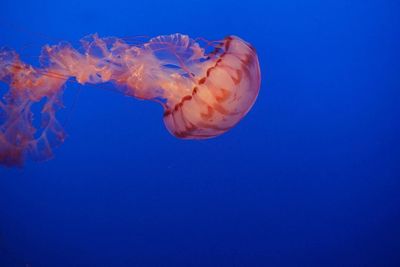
(237, 80)
(186, 98)
(202, 80)
(222, 95)
(209, 114)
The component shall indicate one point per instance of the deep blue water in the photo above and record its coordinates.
(310, 177)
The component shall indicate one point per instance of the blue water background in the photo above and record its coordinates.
(310, 177)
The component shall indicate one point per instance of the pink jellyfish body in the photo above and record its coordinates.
(204, 94)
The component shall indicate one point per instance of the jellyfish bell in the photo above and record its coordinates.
(221, 96)
(204, 94)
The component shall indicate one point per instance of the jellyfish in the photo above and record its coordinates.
(205, 87)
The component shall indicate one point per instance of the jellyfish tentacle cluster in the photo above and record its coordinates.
(204, 93)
